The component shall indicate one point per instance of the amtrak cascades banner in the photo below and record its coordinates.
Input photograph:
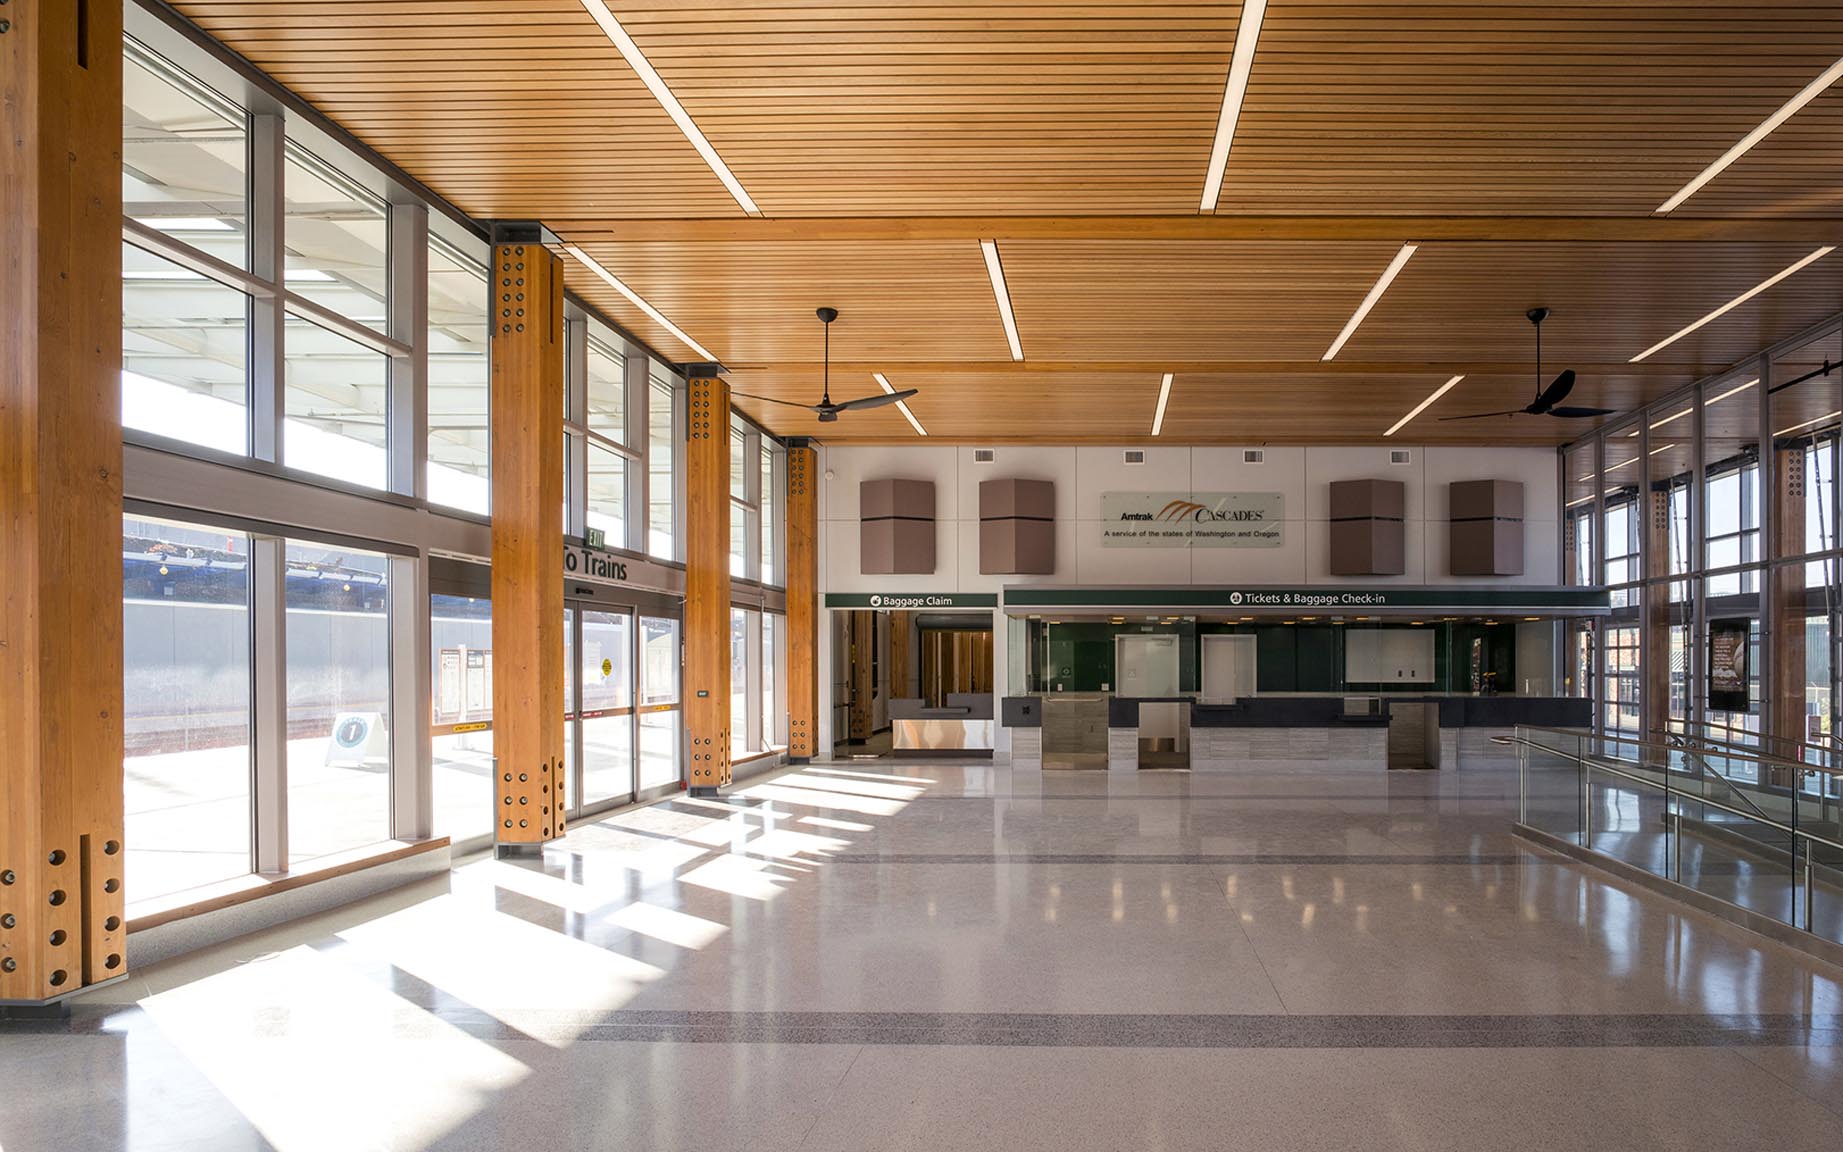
(1192, 519)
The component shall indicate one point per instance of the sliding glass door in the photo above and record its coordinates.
(598, 705)
(606, 719)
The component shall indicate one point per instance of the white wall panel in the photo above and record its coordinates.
(1083, 474)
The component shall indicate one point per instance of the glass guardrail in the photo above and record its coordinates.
(1755, 831)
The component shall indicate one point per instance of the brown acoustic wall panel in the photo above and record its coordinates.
(896, 527)
(1485, 528)
(1017, 527)
(1368, 533)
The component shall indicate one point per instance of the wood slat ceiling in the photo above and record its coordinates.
(950, 109)
(1504, 107)
(921, 111)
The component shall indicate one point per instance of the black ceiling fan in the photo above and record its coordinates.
(1548, 400)
(828, 411)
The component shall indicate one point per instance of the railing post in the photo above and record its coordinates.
(1586, 803)
(1798, 788)
(1674, 856)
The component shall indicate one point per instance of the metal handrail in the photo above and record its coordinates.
(1584, 767)
(1704, 771)
(1834, 748)
(1640, 780)
(1750, 756)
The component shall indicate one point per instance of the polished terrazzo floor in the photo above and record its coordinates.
(946, 956)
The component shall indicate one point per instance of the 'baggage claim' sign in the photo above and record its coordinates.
(1192, 519)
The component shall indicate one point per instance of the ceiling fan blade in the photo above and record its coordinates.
(878, 401)
(1555, 393)
(1580, 413)
(1485, 415)
(772, 400)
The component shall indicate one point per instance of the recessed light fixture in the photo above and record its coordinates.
(1808, 423)
(1241, 64)
(1583, 500)
(1164, 395)
(1369, 301)
(1807, 94)
(1621, 464)
(1424, 405)
(1003, 295)
(644, 69)
(1734, 391)
(1736, 302)
(902, 406)
(634, 298)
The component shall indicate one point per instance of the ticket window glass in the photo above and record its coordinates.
(1229, 663)
(1147, 665)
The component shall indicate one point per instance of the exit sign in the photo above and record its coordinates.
(594, 538)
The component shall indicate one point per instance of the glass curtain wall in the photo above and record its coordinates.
(605, 671)
(459, 468)
(461, 643)
(1721, 555)
(287, 305)
(338, 677)
(660, 714)
(186, 696)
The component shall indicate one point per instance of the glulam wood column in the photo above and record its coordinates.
(527, 454)
(1785, 590)
(1654, 662)
(61, 845)
(802, 602)
(707, 581)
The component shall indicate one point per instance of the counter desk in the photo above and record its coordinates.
(1404, 731)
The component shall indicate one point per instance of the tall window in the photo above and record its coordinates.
(459, 467)
(739, 682)
(185, 158)
(607, 435)
(659, 710)
(768, 503)
(742, 508)
(337, 240)
(338, 625)
(461, 639)
(185, 367)
(1620, 694)
(1734, 525)
(186, 696)
(184, 332)
(336, 404)
(661, 539)
(771, 717)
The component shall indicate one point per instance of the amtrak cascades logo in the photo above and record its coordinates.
(1192, 519)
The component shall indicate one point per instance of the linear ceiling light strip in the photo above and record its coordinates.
(1369, 301)
(657, 86)
(1002, 294)
(1735, 303)
(902, 406)
(1809, 93)
(635, 299)
(1241, 64)
(1424, 405)
(1164, 397)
